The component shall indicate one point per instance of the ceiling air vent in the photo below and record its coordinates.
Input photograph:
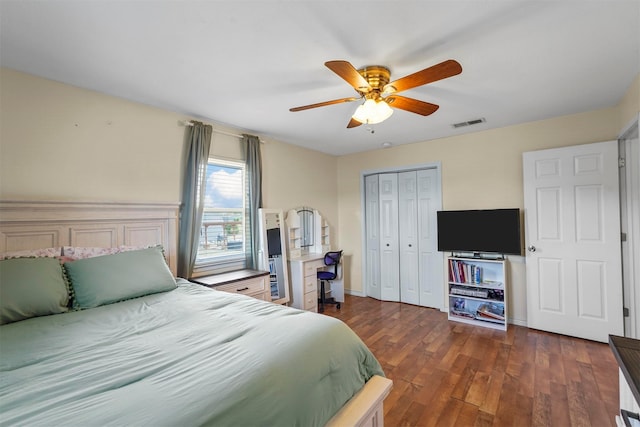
(469, 123)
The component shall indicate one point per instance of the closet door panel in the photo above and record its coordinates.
(389, 258)
(372, 231)
(402, 262)
(408, 237)
(430, 260)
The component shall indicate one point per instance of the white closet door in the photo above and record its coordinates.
(430, 261)
(389, 255)
(372, 230)
(408, 238)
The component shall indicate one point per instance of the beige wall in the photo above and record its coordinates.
(300, 177)
(479, 170)
(63, 143)
(630, 104)
(59, 142)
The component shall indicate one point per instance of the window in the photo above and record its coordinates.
(222, 234)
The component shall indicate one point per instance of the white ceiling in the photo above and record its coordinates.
(245, 63)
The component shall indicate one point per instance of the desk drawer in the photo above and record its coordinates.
(261, 295)
(255, 285)
(311, 267)
(311, 301)
(310, 283)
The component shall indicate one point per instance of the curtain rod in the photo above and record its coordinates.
(221, 132)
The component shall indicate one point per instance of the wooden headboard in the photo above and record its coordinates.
(38, 224)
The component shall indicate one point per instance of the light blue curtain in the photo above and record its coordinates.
(198, 143)
(253, 159)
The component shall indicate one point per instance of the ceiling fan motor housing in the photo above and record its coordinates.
(377, 76)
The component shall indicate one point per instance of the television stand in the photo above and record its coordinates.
(477, 291)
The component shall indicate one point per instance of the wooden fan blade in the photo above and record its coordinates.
(353, 123)
(322, 104)
(411, 105)
(349, 73)
(432, 74)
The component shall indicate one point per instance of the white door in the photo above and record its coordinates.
(372, 233)
(431, 277)
(408, 237)
(574, 280)
(389, 257)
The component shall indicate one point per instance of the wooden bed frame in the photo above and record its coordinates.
(44, 224)
(34, 225)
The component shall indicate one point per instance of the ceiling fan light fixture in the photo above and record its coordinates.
(372, 112)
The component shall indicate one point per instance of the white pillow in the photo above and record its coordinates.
(36, 253)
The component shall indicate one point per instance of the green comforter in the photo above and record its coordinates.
(188, 357)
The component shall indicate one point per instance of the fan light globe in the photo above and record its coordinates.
(372, 112)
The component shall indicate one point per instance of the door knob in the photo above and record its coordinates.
(531, 248)
(409, 244)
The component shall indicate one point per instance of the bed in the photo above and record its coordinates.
(135, 346)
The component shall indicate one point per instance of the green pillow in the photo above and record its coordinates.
(31, 287)
(112, 278)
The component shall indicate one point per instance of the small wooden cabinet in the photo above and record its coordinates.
(478, 291)
(253, 283)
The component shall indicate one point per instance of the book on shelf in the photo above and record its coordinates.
(492, 294)
(462, 272)
(459, 308)
(491, 311)
(478, 293)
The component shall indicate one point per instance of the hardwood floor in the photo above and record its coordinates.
(451, 374)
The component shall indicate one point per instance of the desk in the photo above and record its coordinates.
(304, 282)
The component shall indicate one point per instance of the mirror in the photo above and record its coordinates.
(307, 232)
(273, 253)
(307, 226)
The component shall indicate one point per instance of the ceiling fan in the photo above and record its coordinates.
(372, 84)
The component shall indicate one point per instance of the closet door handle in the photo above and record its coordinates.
(409, 244)
(387, 244)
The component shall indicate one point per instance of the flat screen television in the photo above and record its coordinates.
(485, 230)
(273, 242)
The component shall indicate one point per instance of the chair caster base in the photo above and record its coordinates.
(328, 301)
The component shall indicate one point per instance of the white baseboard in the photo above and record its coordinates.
(355, 293)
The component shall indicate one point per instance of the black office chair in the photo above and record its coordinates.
(330, 259)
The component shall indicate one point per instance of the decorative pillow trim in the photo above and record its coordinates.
(67, 281)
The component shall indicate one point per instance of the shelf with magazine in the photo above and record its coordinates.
(477, 290)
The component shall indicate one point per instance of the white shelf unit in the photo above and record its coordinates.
(319, 231)
(294, 234)
(477, 291)
(323, 240)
